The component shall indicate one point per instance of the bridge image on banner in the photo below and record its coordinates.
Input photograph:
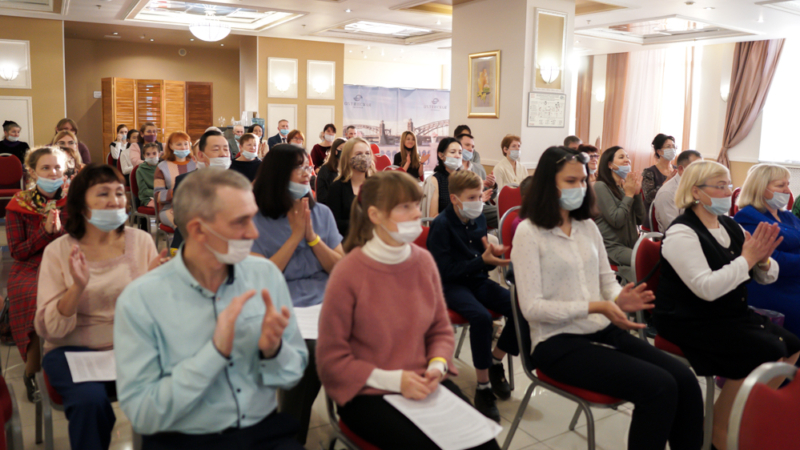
(381, 115)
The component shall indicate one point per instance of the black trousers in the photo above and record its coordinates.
(666, 395)
(380, 424)
(275, 432)
(298, 401)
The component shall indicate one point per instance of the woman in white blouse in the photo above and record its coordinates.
(510, 169)
(577, 311)
(707, 262)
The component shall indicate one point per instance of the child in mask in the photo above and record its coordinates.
(146, 173)
(247, 161)
(458, 243)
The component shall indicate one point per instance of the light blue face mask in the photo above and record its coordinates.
(108, 219)
(49, 185)
(466, 155)
(284, 131)
(298, 190)
(181, 153)
(622, 171)
(719, 205)
(778, 201)
(572, 199)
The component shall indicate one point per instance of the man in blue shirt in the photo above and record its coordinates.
(204, 342)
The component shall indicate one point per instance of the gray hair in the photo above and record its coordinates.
(197, 194)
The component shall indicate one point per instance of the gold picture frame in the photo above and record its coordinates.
(484, 85)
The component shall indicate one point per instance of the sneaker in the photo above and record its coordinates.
(31, 388)
(487, 404)
(500, 386)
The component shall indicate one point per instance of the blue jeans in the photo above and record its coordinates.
(86, 405)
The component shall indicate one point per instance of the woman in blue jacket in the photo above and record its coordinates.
(764, 198)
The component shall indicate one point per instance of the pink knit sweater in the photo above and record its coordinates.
(381, 316)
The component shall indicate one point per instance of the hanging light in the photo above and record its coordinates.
(210, 28)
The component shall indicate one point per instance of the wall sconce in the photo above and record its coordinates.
(724, 91)
(321, 75)
(600, 95)
(282, 79)
(282, 83)
(549, 71)
(320, 85)
(9, 72)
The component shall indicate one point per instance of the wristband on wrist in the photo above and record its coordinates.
(442, 360)
(314, 242)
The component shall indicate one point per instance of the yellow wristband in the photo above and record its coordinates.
(438, 358)
(314, 242)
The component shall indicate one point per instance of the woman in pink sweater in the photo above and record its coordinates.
(374, 341)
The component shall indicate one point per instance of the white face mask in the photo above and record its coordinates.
(200, 165)
(330, 137)
(514, 154)
(238, 249)
(223, 162)
(249, 155)
(407, 232)
(669, 154)
(452, 163)
(12, 138)
(471, 210)
(152, 161)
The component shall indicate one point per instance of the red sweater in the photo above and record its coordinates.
(381, 316)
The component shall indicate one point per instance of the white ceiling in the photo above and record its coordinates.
(764, 22)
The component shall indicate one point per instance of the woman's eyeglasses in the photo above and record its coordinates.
(582, 158)
(301, 169)
(720, 187)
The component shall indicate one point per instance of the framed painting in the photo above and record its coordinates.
(484, 85)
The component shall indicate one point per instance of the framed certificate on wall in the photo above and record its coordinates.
(547, 110)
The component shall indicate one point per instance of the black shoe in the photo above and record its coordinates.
(31, 388)
(487, 404)
(650, 331)
(500, 386)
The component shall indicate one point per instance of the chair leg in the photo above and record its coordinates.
(575, 417)
(510, 371)
(589, 425)
(708, 420)
(39, 421)
(47, 412)
(515, 424)
(640, 319)
(137, 440)
(461, 339)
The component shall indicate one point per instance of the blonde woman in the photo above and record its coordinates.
(356, 163)
(69, 144)
(764, 198)
(701, 304)
(409, 158)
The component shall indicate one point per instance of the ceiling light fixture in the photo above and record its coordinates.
(191, 39)
(151, 40)
(9, 72)
(116, 34)
(347, 10)
(209, 28)
(709, 7)
(438, 22)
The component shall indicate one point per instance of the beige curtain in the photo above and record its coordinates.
(616, 76)
(754, 66)
(687, 105)
(583, 109)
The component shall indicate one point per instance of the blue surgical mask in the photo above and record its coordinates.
(572, 199)
(237, 137)
(622, 171)
(49, 185)
(108, 219)
(466, 155)
(778, 201)
(181, 153)
(514, 154)
(284, 132)
(298, 190)
(719, 205)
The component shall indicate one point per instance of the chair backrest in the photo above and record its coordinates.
(134, 188)
(653, 221)
(763, 418)
(10, 169)
(382, 162)
(506, 234)
(523, 334)
(375, 149)
(422, 240)
(509, 197)
(646, 258)
(790, 205)
(110, 160)
(734, 197)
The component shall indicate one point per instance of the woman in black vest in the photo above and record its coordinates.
(449, 154)
(701, 302)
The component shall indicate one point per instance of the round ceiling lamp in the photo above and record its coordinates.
(210, 28)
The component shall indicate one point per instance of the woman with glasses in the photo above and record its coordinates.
(301, 238)
(701, 304)
(357, 162)
(577, 311)
(594, 158)
(659, 173)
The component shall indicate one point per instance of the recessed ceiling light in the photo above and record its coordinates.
(438, 22)
(760, 20)
(369, 48)
(577, 42)
(116, 34)
(222, 45)
(709, 7)
(192, 39)
(347, 10)
(351, 51)
(365, 56)
(151, 40)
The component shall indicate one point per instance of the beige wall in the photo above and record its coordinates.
(88, 62)
(47, 71)
(302, 51)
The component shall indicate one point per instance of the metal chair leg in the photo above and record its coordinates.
(464, 329)
(589, 425)
(708, 420)
(521, 410)
(510, 371)
(575, 417)
(39, 419)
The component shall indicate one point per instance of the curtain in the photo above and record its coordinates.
(616, 76)
(583, 108)
(687, 107)
(641, 112)
(753, 68)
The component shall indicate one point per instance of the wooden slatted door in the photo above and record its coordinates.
(174, 107)
(119, 107)
(199, 108)
(150, 104)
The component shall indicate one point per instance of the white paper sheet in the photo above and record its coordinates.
(308, 321)
(92, 366)
(451, 423)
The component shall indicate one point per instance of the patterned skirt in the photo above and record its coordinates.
(22, 288)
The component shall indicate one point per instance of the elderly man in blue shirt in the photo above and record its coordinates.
(204, 342)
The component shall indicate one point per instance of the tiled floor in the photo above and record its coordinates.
(544, 425)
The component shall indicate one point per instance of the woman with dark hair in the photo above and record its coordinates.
(80, 278)
(577, 311)
(258, 131)
(435, 191)
(594, 157)
(620, 206)
(408, 158)
(301, 238)
(11, 143)
(320, 150)
(659, 173)
(329, 171)
(120, 143)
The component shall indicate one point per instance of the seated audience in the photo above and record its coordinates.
(662, 171)
(701, 304)
(301, 238)
(436, 196)
(258, 131)
(620, 208)
(467, 153)
(296, 138)
(350, 132)
(146, 173)
(573, 142)
(81, 276)
(577, 311)
(464, 129)
(594, 157)
(33, 220)
(320, 151)
(132, 153)
(11, 143)
(664, 203)
(67, 141)
(408, 157)
(523, 191)
(176, 162)
(510, 170)
(120, 143)
(329, 171)
(373, 342)
(247, 162)
(357, 162)
(459, 245)
(147, 133)
(82, 149)
(764, 198)
(280, 137)
(204, 342)
(234, 144)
